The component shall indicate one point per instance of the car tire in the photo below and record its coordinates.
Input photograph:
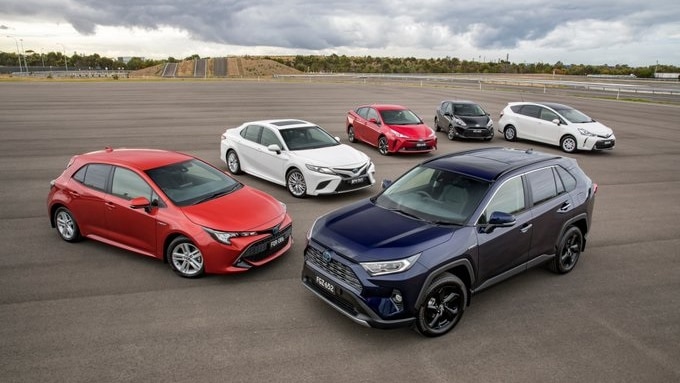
(436, 125)
(233, 162)
(568, 144)
(383, 146)
(351, 137)
(295, 183)
(451, 133)
(443, 306)
(510, 133)
(185, 258)
(568, 251)
(66, 225)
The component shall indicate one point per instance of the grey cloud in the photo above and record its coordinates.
(311, 25)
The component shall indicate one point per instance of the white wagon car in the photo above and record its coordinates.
(555, 124)
(297, 154)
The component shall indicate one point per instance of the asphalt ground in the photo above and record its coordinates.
(88, 312)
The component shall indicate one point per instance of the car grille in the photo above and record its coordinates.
(474, 132)
(332, 267)
(352, 172)
(261, 249)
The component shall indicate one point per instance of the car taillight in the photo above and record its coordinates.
(594, 188)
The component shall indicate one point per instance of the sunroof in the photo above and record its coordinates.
(288, 122)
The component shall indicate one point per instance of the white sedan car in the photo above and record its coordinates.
(555, 124)
(297, 154)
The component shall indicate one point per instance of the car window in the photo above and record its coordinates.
(574, 116)
(434, 195)
(447, 108)
(192, 182)
(400, 117)
(548, 115)
(469, 110)
(568, 180)
(363, 112)
(94, 176)
(530, 110)
(371, 113)
(128, 184)
(308, 137)
(509, 198)
(252, 133)
(269, 138)
(542, 185)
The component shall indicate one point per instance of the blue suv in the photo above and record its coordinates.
(445, 230)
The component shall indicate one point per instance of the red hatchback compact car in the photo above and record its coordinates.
(169, 206)
(391, 128)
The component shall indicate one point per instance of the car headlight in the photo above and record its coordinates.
(320, 169)
(226, 236)
(585, 132)
(399, 135)
(489, 124)
(389, 267)
(459, 121)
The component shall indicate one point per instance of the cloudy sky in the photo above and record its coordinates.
(636, 33)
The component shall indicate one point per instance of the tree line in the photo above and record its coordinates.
(341, 64)
(369, 64)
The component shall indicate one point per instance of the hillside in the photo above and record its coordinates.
(236, 67)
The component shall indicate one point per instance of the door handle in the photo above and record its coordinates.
(566, 206)
(526, 227)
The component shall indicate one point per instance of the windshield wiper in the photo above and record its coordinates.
(218, 194)
(402, 212)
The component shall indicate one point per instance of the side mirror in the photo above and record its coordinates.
(274, 148)
(556, 121)
(499, 219)
(374, 121)
(140, 203)
(337, 138)
(386, 183)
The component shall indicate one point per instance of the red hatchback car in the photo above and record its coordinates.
(169, 206)
(391, 128)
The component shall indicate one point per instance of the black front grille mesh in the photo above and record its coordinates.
(261, 250)
(332, 267)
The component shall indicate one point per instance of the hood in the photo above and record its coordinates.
(595, 128)
(365, 232)
(414, 131)
(475, 121)
(333, 156)
(243, 210)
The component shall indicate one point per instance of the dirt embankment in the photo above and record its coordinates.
(237, 67)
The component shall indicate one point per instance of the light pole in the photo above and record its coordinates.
(65, 61)
(24, 54)
(18, 53)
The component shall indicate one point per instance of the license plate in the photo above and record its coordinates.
(325, 284)
(607, 143)
(421, 145)
(476, 130)
(355, 181)
(277, 241)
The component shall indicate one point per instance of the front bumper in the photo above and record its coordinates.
(245, 253)
(412, 146)
(474, 132)
(337, 284)
(318, 183)
(597, 143)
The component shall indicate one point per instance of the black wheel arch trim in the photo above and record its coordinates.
(461, 262)
(575, 221)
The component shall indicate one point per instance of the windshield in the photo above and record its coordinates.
(400, 117)
(574, 116)
(308, 137)
(468, 110)
(434, 195)
(192, 182)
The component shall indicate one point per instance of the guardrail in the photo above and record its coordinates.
(74, 73)
(637, 87)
